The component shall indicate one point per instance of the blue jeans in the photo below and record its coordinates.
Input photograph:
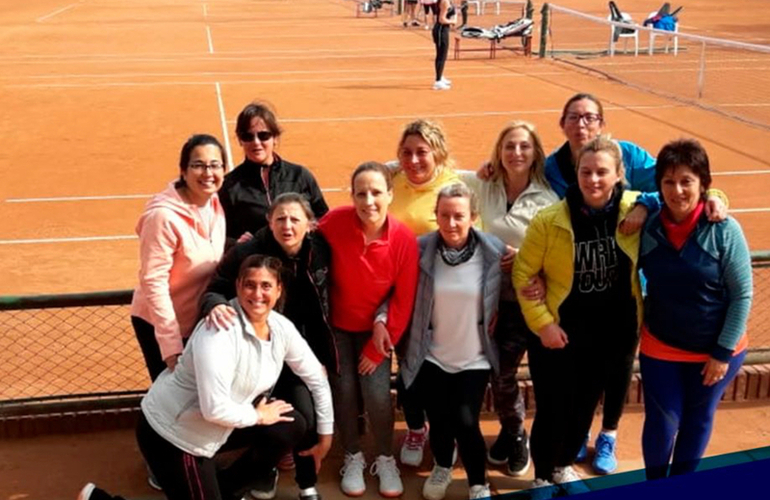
(678, 413)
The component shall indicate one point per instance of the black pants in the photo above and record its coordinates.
(511, 339)
(186, 477)
(568, 384)
(411, 404)
(441, 40)
(145, 335)
(293, 390)
(453, 403)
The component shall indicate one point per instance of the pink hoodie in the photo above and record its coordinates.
(178, 254)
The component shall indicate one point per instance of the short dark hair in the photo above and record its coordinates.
(259, 261)
(687, 153)
(257, 109)
(372, 166)
(579, 97)
(193, 142)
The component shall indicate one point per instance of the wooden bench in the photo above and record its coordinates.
(494, 46)
(374, 12)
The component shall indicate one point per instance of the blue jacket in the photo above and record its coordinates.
(698, 298)
(420, 333)
(640, 172)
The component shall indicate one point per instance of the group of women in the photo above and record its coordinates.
(499, 267)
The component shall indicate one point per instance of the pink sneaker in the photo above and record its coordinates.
(414, 444)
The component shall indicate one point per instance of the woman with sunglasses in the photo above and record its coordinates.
(181, 239)
(249, 189)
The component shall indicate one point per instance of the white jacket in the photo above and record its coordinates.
(508, 225)
(220, 373)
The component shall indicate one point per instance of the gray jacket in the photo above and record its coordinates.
(420, 334)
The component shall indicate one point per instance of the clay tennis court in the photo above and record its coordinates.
(98, 96)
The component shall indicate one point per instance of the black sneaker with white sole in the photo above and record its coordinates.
(518, 459)
(266, 486)
(501, 449)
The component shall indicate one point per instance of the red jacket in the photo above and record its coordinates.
(364, 276)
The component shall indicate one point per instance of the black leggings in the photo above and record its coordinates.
(453, 403)
(145, 335)
(441, 39)
(187, 477)
(430, 8)
(292, 389)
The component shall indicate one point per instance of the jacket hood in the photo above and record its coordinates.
(169, 199)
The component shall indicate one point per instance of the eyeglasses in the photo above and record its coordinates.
(263, 136)
(589, 118)
(199, 166)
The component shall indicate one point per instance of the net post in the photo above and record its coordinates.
(529, 10)
(545, 15)
(702, 70)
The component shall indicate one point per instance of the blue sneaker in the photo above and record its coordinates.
(583, 453)
(604, 460)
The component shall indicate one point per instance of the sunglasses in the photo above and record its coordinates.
(263, 136)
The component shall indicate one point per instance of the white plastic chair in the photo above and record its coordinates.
(624, 35)
(496, 2)
(478, 6)
(653, 34)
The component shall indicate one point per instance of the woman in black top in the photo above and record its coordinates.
(447, 16)
(250, 188)
(305, 257)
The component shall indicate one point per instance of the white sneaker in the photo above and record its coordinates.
(479, 491)
(85, 493)
(570, 480)
(439, 85)
(352, 472)
(435, 486)
(412, 449)
(446, 80)
(390, 478)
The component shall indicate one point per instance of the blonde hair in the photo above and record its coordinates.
(536, 170)
(433, 134)
(603, 143)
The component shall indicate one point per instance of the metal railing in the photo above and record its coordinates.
(77, 352)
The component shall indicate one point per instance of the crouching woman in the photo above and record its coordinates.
(218, 398)
(449, 352)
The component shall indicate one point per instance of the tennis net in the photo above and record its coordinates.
(725, 76)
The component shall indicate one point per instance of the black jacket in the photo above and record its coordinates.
(245, 200)
(305, 292)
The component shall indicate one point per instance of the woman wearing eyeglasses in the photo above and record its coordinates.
(181, 239)
(249, 189)
(582, 120)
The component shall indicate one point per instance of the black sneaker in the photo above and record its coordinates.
(311, 496)
(500, 451)
(266, 486)
(518, 460)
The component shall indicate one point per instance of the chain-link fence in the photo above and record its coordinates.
(78, 347)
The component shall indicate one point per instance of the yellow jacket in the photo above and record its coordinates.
(549, 246)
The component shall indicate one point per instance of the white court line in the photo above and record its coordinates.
(748, 210)
(223, 121)
(303, 81)
(48, 16)
(116, 197)
(69, 240)
(742, 172)
(205, 11)
(208, 36)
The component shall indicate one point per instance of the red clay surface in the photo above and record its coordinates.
(97, 99)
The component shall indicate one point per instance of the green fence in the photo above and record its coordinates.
(79, 351)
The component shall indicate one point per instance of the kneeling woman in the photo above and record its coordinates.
(450, 352)
(218, 397)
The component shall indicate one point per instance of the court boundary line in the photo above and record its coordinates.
(57, 12)
(223, 123)
(208, 37)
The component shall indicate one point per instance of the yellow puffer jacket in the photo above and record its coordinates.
(549, 246)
